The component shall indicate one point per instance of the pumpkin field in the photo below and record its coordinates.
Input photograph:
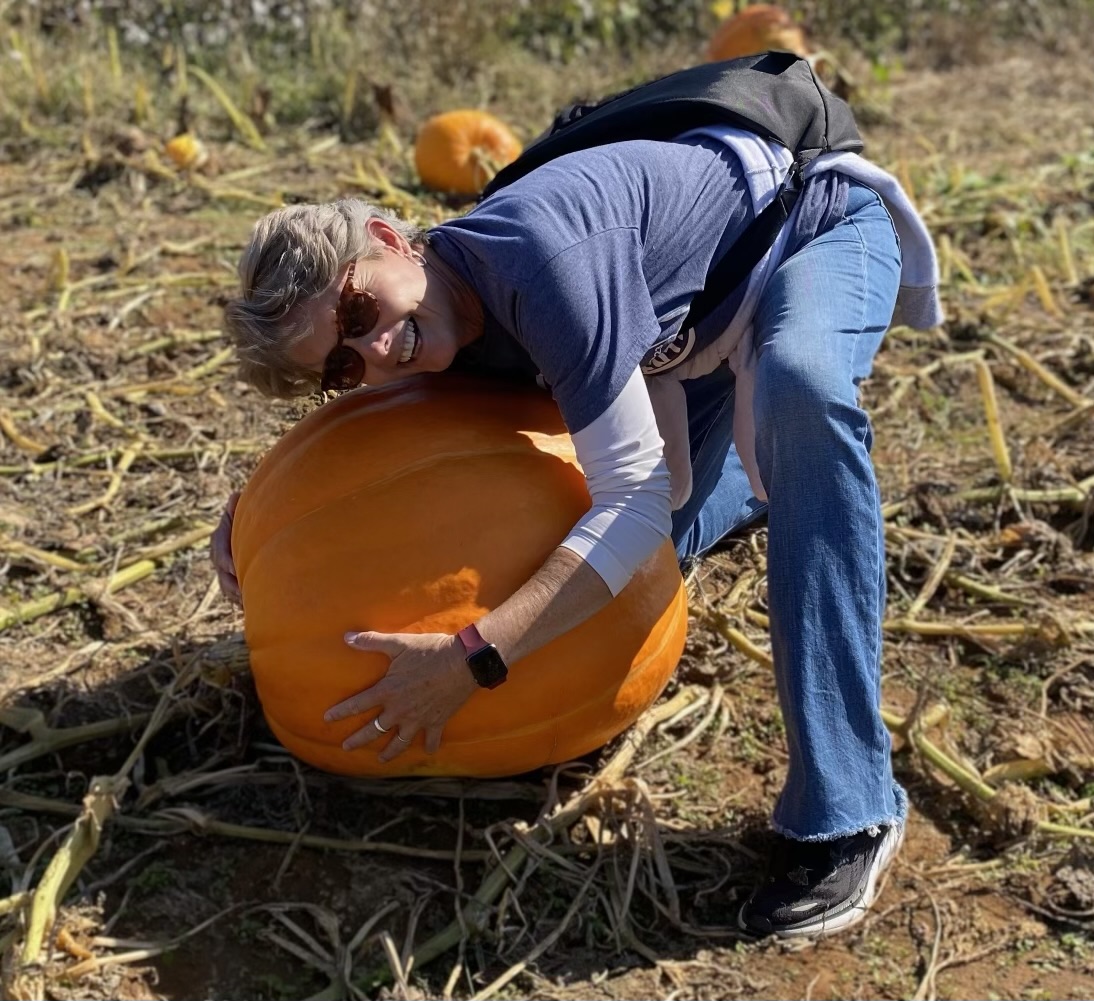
(156, 838)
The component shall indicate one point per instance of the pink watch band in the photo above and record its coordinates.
(471, 639)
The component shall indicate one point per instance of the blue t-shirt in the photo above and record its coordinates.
(590, 260)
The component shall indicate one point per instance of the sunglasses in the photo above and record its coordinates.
(356, 314)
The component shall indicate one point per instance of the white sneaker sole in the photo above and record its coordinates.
(851, 912)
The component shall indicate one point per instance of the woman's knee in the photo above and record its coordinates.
(805, 405)
(792, 384)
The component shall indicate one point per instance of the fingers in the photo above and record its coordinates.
(220, 551)
(220, 545)
(354, 706)
(369, 698)
(433, 739)
(366, 735)
(399, 738)
(229, 587)
(229, 584)
(400, 741)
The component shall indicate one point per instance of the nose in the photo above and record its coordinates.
(376, 348)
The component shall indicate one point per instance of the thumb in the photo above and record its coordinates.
(376, 642)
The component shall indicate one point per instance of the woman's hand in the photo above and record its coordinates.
(220, 550)
(427, 681)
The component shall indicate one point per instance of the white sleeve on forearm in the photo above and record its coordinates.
(622, 455)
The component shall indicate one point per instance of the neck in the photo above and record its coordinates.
(465, 302)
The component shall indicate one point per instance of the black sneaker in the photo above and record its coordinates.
(816, 888)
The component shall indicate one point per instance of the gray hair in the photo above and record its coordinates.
(293, 256)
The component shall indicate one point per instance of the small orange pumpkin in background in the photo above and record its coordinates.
(460, 151)
(187, 152)
(417, 507)
(757, 28)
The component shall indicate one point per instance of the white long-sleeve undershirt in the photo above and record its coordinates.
(622, 455)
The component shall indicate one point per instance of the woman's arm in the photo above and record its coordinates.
(562, 594)
(622, 456)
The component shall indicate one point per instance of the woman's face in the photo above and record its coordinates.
(418, 328)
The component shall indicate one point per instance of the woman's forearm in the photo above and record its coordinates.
(622, 457)
(563, 593)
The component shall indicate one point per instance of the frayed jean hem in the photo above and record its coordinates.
(900, 817)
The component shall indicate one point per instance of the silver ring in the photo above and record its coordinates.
(376, 723)
(405, 740)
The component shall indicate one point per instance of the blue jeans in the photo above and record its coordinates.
(817, 328)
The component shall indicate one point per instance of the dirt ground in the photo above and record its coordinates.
(124, 431)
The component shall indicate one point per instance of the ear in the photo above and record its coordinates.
(386, 235)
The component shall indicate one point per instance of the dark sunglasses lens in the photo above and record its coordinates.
(358, 315)
(344, 369)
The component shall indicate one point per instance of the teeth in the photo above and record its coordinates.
(410, 341)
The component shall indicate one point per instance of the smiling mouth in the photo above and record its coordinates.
(412, 341)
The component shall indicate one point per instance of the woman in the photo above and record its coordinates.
(580, 274)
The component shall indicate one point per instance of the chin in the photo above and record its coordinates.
(437, 363)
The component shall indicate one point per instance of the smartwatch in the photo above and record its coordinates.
(487, 667)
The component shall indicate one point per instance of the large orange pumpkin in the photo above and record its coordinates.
(757, 28)
(460, 151)
(417, 508)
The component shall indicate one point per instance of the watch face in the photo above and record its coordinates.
(487, 667)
